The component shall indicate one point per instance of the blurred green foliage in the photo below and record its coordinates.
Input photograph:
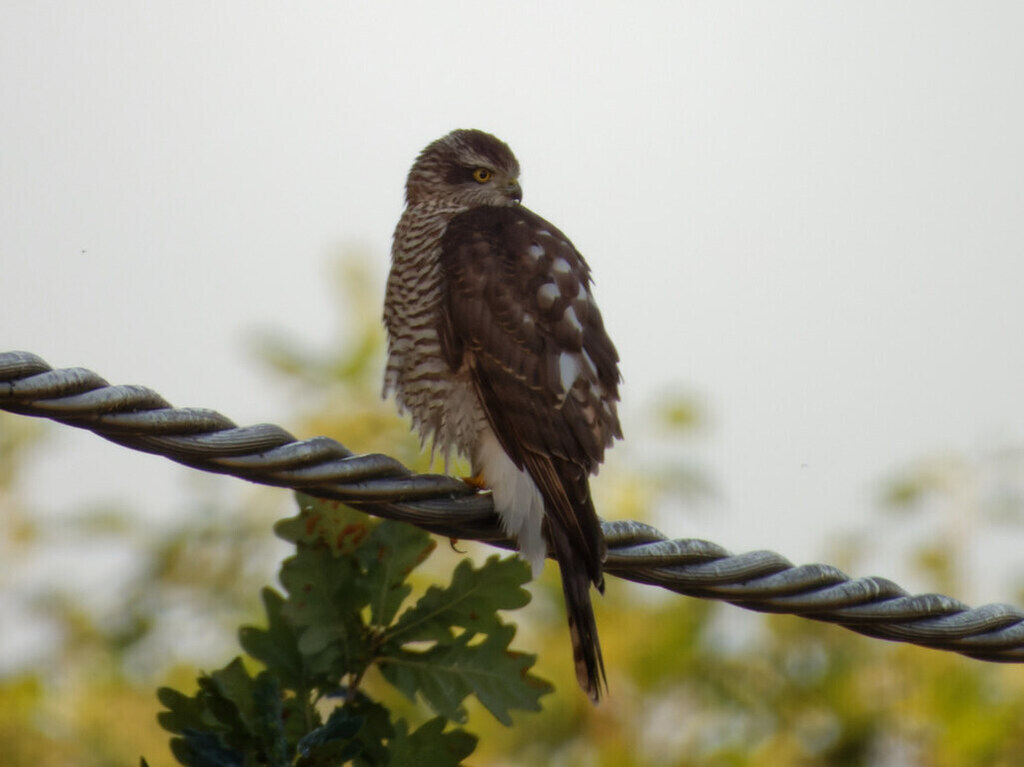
(346, 613)
(692, 682)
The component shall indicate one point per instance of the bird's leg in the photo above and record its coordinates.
(477, 481)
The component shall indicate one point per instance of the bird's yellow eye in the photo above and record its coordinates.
(482, 175)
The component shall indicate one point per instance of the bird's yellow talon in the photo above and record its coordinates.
(476, 482)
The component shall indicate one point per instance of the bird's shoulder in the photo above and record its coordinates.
(514, 235)
(518, 300)
(521, 265)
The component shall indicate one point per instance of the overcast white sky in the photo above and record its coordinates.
(809, 214)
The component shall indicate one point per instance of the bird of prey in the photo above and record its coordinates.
(497, 351)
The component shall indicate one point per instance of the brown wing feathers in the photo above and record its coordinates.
(518, 310)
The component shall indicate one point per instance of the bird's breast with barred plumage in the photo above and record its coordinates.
(443, 408)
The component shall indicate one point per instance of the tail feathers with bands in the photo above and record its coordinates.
(586, 648)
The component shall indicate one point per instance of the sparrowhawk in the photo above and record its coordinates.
(497, 350)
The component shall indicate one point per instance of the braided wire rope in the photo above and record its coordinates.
(138, 418)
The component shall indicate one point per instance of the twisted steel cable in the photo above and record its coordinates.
(137, 417)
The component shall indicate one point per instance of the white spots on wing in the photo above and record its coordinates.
(528, 323)
(573, 320)
(547, 294)
(536, 250)
(543, 233)
(568, 369)
(590, 364)
(581, 294)
(561, 267)
(608, 406)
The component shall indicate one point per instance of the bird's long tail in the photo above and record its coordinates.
(586, 647)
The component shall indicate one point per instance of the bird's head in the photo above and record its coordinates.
(468, 166)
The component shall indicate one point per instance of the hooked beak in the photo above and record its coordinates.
(514, 191)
